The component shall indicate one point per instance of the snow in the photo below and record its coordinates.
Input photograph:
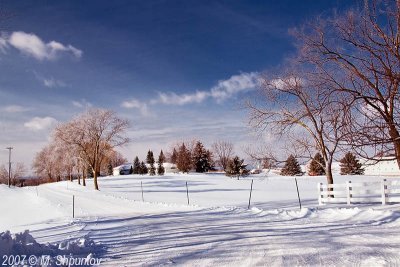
(216, 229)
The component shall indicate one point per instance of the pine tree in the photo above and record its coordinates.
(236, 168)
(292, 167)
(317, 165)
(161, 160)
(349, 164)
(143, 168)
(201, 158)
(183, 161)
(174, 156)
(150, 160)
(136, 166)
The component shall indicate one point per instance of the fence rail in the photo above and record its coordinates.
(383, 191)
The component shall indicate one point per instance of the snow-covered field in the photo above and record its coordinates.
(215, 229)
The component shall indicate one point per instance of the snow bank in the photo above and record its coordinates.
(24, 244)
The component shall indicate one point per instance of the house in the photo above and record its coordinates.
(122, 169)
(387, 166)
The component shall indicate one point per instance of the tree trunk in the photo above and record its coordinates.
(394, 134)
(96, 186)
(83, 178)
(329, 176)
(79, 179)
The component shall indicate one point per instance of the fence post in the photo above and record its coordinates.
(384, 195)
(141, 185)
(251, 190)
(187, 193)
(298, 194)
(73, 206)
(349, 188)
(320, 190)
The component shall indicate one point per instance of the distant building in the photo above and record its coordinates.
(387, 167)
(122, 169)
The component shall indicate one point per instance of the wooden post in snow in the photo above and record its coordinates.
(320, 191)
(384, 189)
(251, 190)
(73, 206)
(187, 193)
(298, 194)
(349, 188)
(141, 185)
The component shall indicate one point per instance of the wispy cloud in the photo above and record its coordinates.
(223, 90)
(82, 104)
(134, 103)
(51, 83)
(182, 99)
(15, 109)
(38, 123)
(31, 45)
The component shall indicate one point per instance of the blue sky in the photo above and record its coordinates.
(177, 69)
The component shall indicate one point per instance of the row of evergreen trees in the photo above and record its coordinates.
(139, 167)
(199, 158)
(349, 164)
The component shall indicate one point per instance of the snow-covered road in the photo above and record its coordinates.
(136, 233)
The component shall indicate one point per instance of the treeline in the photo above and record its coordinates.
(194, 156)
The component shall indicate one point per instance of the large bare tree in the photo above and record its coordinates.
(223, 150)
(93, 135)
(358, 52)
(299, 106)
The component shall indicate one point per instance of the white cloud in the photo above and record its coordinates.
(15, 109)
(51, 83)
(235, 84)
(221, 91)
(82, 104)
(31, 45)
(183, 99)
(37, 123)
(134, 103)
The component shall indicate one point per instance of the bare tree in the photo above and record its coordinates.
(93, 135)
(17, 172)
(299, 106)
(44, 163)
(358, 53)
(223, 150)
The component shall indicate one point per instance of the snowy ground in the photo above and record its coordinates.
(216, 229)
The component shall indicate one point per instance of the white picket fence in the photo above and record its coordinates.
(384, 191)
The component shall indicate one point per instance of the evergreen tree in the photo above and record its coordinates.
(150, 160)
(109, 169)
(183, 161)
(136, 166)
(317, 165)
(350, 165)
(292, 167)
(201, 158)
(174, 156)
(143, 168)
(161, 160)
(131, 170)
(236, 168)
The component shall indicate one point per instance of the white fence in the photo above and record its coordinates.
(384, 191)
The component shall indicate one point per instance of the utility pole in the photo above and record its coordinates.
(9, 165)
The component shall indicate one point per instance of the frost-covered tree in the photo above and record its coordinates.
(136, 165)
(317, 165)
(160, 167)
(223, 151)
(349, 164)
(291, 167)
(109, 169)
(150, 160)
